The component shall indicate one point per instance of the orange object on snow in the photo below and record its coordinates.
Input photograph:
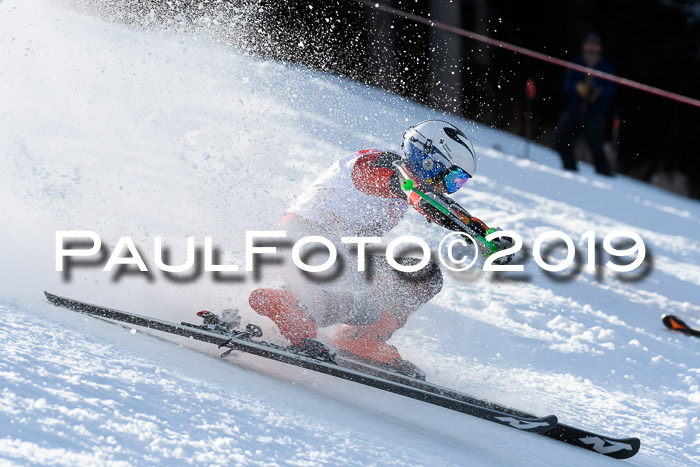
(369, 342)
(282, 307)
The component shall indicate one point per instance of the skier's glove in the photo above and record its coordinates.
(503, 243)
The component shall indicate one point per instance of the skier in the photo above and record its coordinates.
(362, 195)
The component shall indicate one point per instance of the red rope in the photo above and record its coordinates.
(533, 54)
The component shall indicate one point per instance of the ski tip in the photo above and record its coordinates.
(632, 447)
(616, 448)
(636, 443)
(674, 323)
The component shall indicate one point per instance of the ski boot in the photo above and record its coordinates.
(282, 307)
(367, 344)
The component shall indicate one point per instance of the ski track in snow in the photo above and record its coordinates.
(146, 133)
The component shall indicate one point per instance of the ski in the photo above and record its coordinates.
(612, 447)
(381, 378)
(616, 448)
(242, 341)
(674, 323)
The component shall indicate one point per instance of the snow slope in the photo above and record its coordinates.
(150, 133)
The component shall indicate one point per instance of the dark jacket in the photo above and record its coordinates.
(607, 89)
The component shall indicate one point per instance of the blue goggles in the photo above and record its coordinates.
(455, 179)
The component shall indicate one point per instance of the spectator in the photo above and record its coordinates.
(588, 105)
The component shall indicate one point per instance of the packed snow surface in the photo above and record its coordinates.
(136, 133)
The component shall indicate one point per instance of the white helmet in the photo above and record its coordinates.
(439, 151)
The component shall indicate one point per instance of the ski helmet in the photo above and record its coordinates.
(438, 151)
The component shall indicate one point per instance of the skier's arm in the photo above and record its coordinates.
(446, 212)
(374, 174)
(437, 217)
(474, 223)
(380, 174)
(431, 213)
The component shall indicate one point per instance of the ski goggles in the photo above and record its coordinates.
(455, 179)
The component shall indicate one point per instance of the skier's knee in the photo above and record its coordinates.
(256, 297)
(407, 291)
(366, 310)
(425, 283)
(436, 281)
(432, 285)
